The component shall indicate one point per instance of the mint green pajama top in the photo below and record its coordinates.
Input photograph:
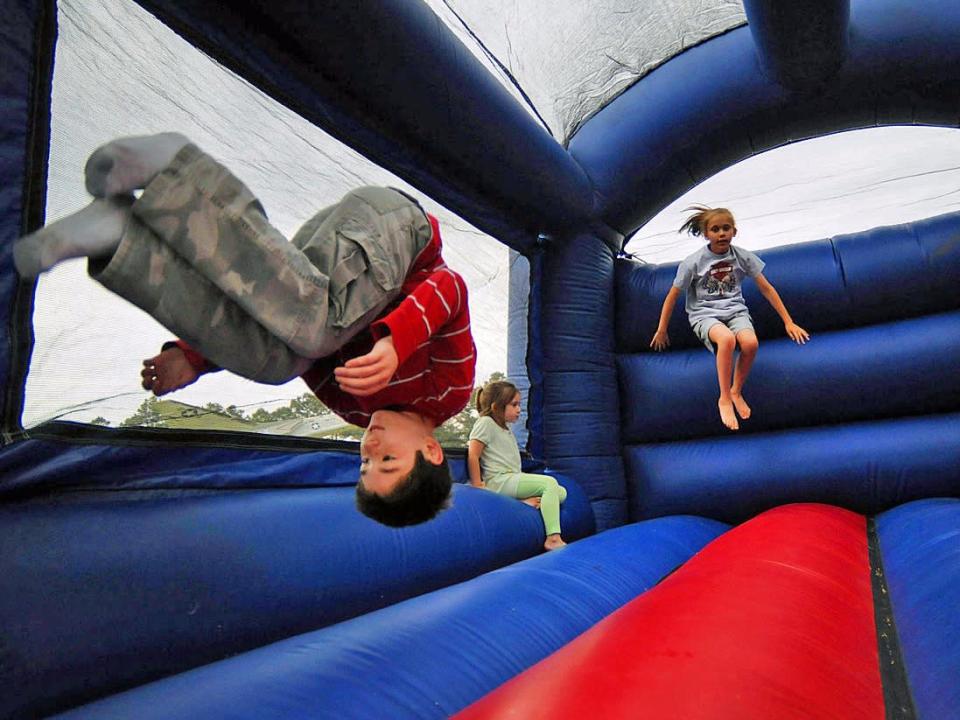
(500, 459)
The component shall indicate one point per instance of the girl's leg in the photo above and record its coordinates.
(725, 341)
(551, 495)
(747, 339)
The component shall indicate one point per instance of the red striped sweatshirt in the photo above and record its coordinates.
(430, 325)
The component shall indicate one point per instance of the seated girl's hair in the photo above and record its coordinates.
(697, 223)
(493, 399)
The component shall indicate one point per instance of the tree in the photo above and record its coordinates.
(305, 406)
(261, 416)
(282, 413)
(308, 405)
(147, 415)
(100, 420)
(235, 412)
(456, 430)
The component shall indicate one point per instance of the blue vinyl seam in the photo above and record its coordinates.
(897, 695)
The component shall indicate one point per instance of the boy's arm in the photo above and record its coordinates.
(432, 305)
(474, 450)
(436, 308)
(794, 331)
(661, 339)
(369, 374)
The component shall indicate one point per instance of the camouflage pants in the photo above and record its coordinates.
(199, 256)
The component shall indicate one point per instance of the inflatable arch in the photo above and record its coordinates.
(807, 567)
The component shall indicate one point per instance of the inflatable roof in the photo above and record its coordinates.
(805, 566)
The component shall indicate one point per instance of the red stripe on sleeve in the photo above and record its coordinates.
(428, 309)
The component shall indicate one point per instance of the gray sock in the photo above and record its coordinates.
(95, 231)
(130, 163)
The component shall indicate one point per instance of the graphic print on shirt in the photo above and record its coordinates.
(720, 279)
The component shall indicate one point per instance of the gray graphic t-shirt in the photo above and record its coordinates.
(713, 282)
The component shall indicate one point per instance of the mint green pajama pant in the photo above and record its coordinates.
(551, 495)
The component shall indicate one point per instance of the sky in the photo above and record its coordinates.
(820, 188)
(120, 72)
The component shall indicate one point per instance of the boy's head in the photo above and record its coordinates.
(404, 476)
(715, 224)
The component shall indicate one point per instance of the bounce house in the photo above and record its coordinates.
(807, 566)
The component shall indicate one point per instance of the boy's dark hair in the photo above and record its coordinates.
(417, 498)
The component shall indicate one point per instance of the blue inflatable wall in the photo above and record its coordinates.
(864, 415)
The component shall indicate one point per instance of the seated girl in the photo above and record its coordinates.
(493, 459)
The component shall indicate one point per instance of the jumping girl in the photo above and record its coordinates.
(712, 279)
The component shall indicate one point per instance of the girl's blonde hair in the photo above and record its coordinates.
(492, 399)
(696, 224)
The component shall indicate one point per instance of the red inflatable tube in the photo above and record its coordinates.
(774, 619)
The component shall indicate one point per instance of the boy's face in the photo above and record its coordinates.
(389, 447)
(720, 231)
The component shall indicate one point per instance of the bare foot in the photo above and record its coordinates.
(533, 502)
(727, 415)
(554, 542)
(743, 410)
(167, 372)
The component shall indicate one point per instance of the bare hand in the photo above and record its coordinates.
(167, 372)
(480, 484)
(661, 341)
(797, 333)
(370, 373)
(533, 502)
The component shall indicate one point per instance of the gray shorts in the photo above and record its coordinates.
(740, 321)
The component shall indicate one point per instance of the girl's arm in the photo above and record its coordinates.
(660, 339)
(474, 451)
(796, 333)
